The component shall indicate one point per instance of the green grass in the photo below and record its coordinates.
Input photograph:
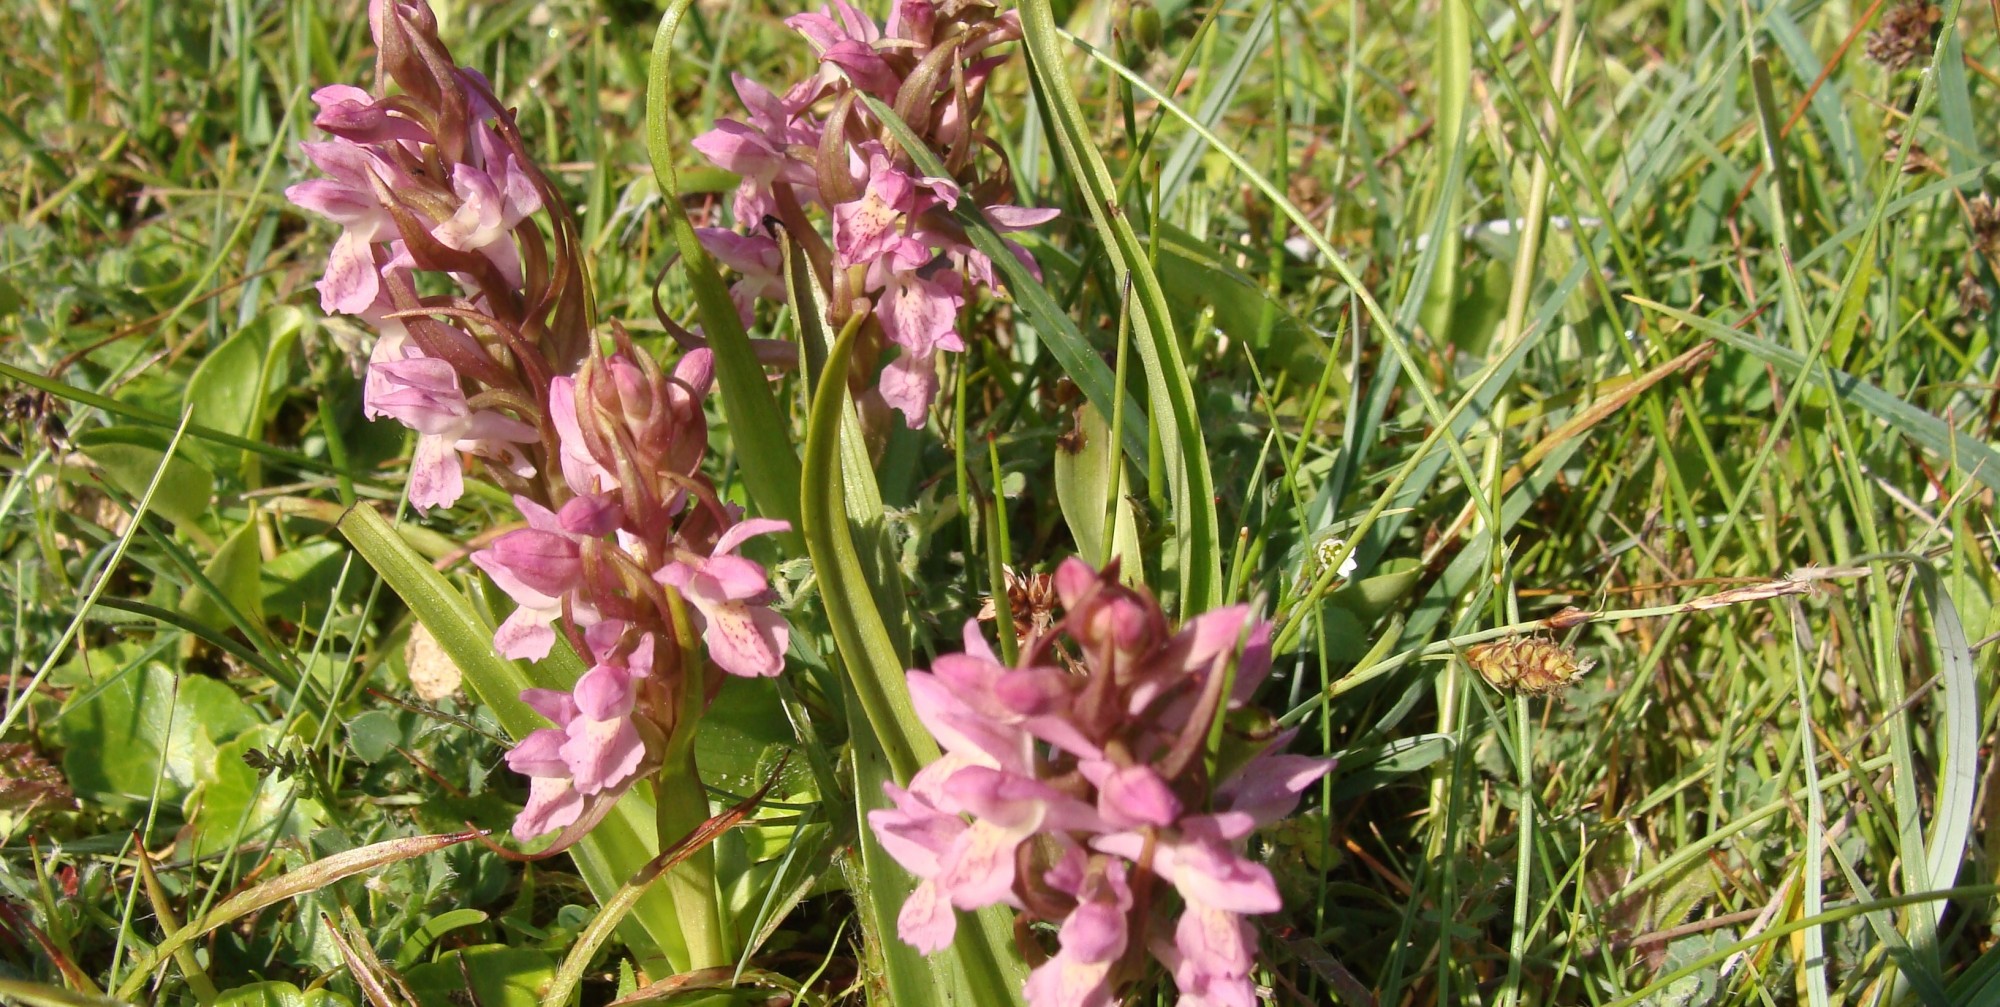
(1408, 258)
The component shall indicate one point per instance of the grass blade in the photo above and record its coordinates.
(289, 885)
(758, 426)
(1169, 393)
(1973, 456)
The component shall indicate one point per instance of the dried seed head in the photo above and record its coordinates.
(1973, 299)
(1919, 160)
(37, 414)
(1031, 600)
(1983, 222)
(1904, 36)
(1527, 664)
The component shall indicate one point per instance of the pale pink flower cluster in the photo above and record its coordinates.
(598, 745)
(426, 187)
(1061, 793)
(642, 520)
(898, 255)
(601, 451)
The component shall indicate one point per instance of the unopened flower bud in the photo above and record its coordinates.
(1144, 21)
(635, 396)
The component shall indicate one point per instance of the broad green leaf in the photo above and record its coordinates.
(866, 648)
(135, 729)
(236, 570)
(878, 688)
(224, 391)
(373, 735)
(1083, 489)
(1372, 598)
(1199, 278)
(297, 584)
(270, 993)
(1826, 92)
(743, 723)
(232, 390)
(185, 487)
(1958, 736)
(437, 926)
(1385, 327)
(501, 977)
(863, 493)
(235, 804)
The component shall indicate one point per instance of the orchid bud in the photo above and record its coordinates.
(594, 515)
(694, 376)
(636, 402)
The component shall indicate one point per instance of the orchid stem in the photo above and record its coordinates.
(683, 807)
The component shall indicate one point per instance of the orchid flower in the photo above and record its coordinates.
(1099, 768)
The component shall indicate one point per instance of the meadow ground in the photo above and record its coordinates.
(1656, 336)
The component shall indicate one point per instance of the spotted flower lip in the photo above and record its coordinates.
(1093, 938)
(538, 566)
(423, 393)
(553, 800)
(1084, 765)
(596, 747)
(730, 593)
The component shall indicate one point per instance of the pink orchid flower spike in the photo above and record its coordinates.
(1092, 767)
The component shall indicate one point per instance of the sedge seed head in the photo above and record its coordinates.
(1527, 664)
